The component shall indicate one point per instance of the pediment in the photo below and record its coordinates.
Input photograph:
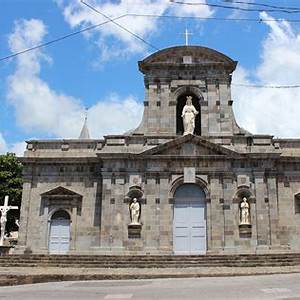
(60, 191)
(190, 145)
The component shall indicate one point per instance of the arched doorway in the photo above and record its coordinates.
(181, 101)
(59, 237)
(189, 222)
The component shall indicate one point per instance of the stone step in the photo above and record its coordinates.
(106, 261)
(150, 265)
(156, 256)
(162, 264)
(103, 259)
(141, 261)
(147, 258)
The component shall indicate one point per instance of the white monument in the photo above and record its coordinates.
(244, 212)
(188, 115)
(135, 212)
(4, 209)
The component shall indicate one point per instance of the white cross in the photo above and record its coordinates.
(187, 33)
(4, 209)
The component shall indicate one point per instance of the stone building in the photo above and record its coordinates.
(218, 189)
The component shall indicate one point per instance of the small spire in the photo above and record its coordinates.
(85, 134)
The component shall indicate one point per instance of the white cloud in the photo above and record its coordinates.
(40, 109)
(114, 41)
(273, 111)
(17, 148)
(191, 10)
(114, 116)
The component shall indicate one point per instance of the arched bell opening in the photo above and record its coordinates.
(181, 101)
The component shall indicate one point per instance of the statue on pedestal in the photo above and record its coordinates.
(245, 212)
(188, 115)
(135, 210)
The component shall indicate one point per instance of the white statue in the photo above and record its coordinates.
(244, 212)
(3, 221)
(135, 209)
(4, 209)
(188, 115)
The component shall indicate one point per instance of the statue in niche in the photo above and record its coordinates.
(188, 115)
(244, 212)
(135, 210)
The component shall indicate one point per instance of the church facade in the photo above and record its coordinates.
(187, 181)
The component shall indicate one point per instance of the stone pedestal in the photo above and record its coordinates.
(6, 250)
(245, 230)
(134, 231)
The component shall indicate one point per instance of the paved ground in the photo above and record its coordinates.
(28, 275)
(284, 286)
(201, 271)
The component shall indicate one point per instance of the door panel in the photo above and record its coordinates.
(189, 224)
(59, 239)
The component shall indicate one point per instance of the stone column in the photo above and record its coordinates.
(23, 229)
(46, 226)
(204, 115)
(262, 216)
(230, 225)
(216, 216)
(149, 215)
(166, 218)
(273, 210)
(106, 213)
(73, 228)
(117, 217)
(214, 109)
(168, 112)
(154, 121)
(225, 109)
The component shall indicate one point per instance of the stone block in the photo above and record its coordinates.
(189, 175)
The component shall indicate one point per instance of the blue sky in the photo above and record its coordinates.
(44, 93)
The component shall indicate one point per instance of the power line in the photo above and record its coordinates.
(262, 5)
(58, 39)
(267, 86)
(258, 20)
(234, 7)
(119, 25)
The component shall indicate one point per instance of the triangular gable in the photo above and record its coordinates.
(61, 191)
(190, 145)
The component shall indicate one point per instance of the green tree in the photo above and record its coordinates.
(11, 185)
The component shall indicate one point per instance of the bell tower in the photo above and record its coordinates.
(172, 74)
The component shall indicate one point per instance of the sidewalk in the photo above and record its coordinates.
(16, 275)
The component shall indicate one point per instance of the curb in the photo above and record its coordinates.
(10, 280)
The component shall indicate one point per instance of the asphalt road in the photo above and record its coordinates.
(246, 287)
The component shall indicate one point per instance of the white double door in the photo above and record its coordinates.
(189, 224)
(59, 239)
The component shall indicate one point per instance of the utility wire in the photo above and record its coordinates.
(258, 20)
(262, 5)
(58, 39)
(234, 7)
(119, 25)
(267, 86)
